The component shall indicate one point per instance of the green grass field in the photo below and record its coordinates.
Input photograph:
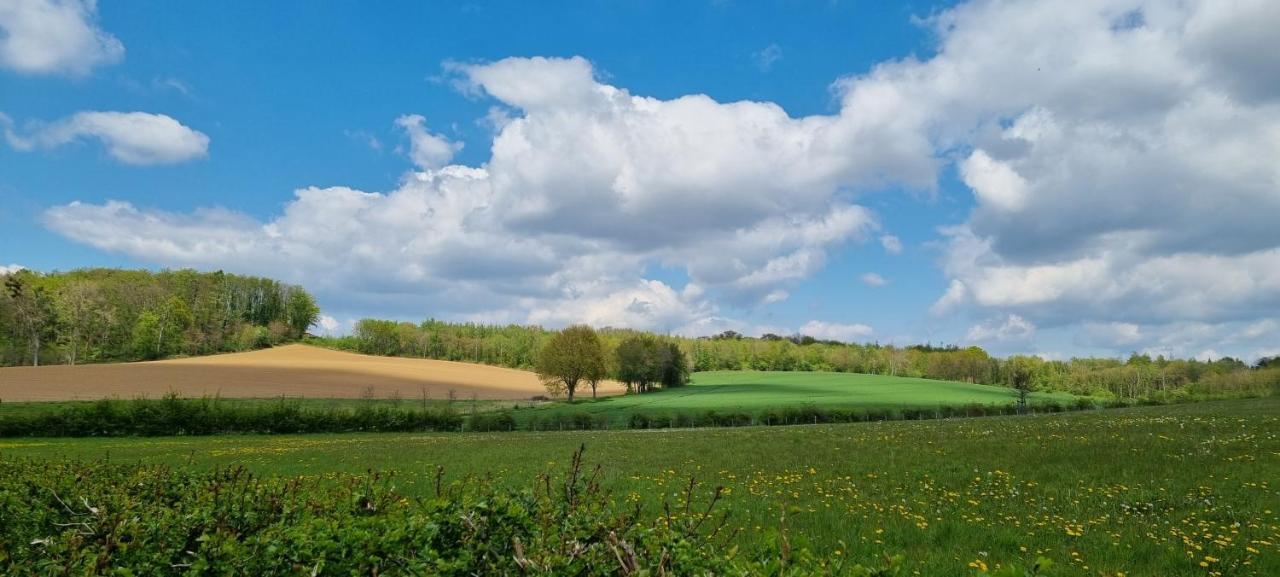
(755, 391)
(1172, 490)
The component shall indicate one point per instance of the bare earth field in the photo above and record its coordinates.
(291, 370)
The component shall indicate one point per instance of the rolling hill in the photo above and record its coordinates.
(291, 370)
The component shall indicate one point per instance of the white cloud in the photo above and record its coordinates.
(427, 150)
(1009, 328)
(1121, 154)
(872, 279)
(54, 37)
(329, 325)
(1112, 334)
(137, 138)
(1208, 355)
(994, 182)
(1118, 151)
(10, 269)
(891, 244)
(767, 57)
(955, 296)
(847, 333)
(586, 187)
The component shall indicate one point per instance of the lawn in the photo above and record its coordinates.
(1171, 490)
(755, 391)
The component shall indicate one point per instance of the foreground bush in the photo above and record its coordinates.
(101, 519)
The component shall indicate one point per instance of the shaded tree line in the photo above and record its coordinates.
(1139, 376)
(97, 315)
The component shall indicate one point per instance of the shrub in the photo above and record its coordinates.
(484, 422)
(81, 518)
(173, 415)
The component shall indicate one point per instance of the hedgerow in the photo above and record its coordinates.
(77, 518)
(174, 415)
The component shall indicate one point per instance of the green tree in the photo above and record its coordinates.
(675, 367)
(637, 362)
(80, 308)
(1021, 371)
(302, 311)
(572, 356)
(33, 309)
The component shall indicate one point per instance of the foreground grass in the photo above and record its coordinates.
(755, 391)
(1173, 490)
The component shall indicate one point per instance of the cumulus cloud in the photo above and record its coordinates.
(1118, 151)
(1010, 328)
(955, 296)
(54, 37)
(329, 325)
(10, 269)
(891, 244)
(427, 150)
(137, 138)
(872, 279)
(587, 185)
(1120, 154)
(846, 333)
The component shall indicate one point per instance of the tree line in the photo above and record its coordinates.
(103, 314)
(1135, 377)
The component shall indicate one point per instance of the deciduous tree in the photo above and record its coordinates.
(572, 356)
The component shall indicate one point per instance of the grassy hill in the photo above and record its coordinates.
(756, 391)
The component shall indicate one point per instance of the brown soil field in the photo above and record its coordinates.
(291, 370)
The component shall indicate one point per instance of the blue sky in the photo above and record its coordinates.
(686, 166)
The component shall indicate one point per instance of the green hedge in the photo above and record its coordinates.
(77, 518)
(173, 415)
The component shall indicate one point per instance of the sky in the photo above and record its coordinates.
(1059, 178)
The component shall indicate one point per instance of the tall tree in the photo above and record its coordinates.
(675, 367)
(572, 356)
(79, 305)
(302, 311)
(33, 309)
(1020, 371)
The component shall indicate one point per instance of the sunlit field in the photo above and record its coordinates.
(752, 392)
(1172, 490)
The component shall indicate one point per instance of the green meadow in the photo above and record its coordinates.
(752, 392)
(1162, 491)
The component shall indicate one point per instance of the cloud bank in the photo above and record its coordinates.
(1120, 156)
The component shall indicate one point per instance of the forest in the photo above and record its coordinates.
(100, 315)
(1138, 376)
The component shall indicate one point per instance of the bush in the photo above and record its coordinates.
(485, 422)
(173, 415)
(79, 518)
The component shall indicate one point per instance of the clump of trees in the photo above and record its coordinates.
(641, 361)
(96, 315)
(645, 362)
